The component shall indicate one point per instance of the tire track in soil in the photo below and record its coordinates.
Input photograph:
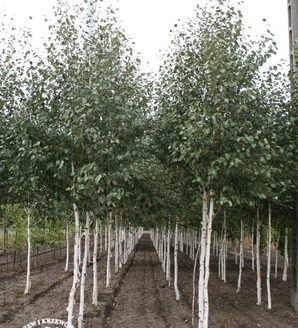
(144, 300)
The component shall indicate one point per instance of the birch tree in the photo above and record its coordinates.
(211, 114)
(61, 120)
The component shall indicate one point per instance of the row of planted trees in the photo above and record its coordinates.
(47, 230)
(226, 125)
(72, 125)
(246, 243)
(81, 130)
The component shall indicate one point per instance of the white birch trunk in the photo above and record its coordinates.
(80, 246)
(203, 299)
(160, 250)
(67, 248)
(181, 241)
(108, 277)
(176, 264)
(76, 273)
(106, 237)
(207, 261)
(157, 241)
(120, 247)
(131, 238)
(241, 257)
(128, 242)
(100, 237)
(28, 282)
(88, 249)
(161, 240)
(164, 251)
(84, 273)
(168, 270)
(222, 253)
(258, 259)
(269, 258)
(194, 285)
(225, 252)
(95, 285)
(220, 263)
(152, 236)
(276, 255)
(125, 245)
(286, 257)
(201, 309)
(116, 248)
(252, 246)
(220, 257)
(225, 258)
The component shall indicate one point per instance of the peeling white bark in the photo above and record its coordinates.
(28, 282)
(168, 268)
(106, 237)
(67, 248)
(194, 285)
(201, 308)
(80, 246)
(252, 246)
(241, 257)
(116, 248)
(95, 287)
(286, 257)
(164, 251)
(223, 251)
(207, 261)
(125, 245)
(108, 277)
(203, 299)
(120, 247)
(269, 305)
(100, 237)
(258, 259)
(84, 273)
(76, 272)
(176, 264)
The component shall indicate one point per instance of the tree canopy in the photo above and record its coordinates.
(80, 122)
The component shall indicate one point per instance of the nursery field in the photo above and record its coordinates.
(140, 296)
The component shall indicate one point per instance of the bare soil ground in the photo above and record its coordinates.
(140, 296)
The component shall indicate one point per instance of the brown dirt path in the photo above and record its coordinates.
(145, 300)
(140, 297)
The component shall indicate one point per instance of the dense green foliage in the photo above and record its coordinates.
(77, 121)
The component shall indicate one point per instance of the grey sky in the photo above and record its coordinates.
(148, 22)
